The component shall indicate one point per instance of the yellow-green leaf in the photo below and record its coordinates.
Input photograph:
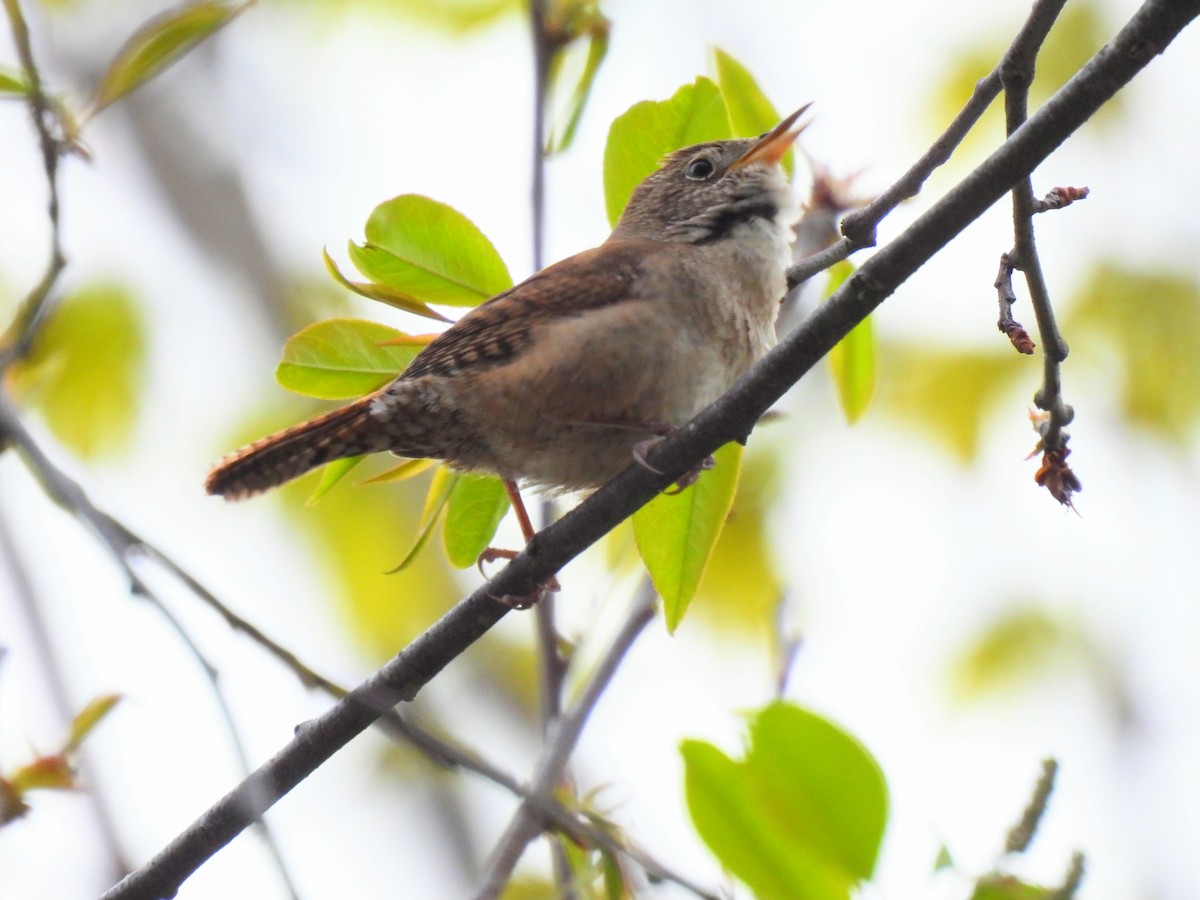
(331, 474)
(409, 468)
(158, 44)
(439, 492)
(46, 773)
(13, 81)
(1150, 322)
(1022, 644)
(340, 358)
(381, 292)
(801, 817)
(750, 112)
(676, 533)
(88, 718)
(473, 512)
(597, 49)
(84, 371)
(430, 252)
(639, 138)
(852, 360)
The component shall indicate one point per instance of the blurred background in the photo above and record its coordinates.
(949, 612)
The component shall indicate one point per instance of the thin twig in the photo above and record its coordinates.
(551, 665)
(60, 698)
(732, 417)
(18, 341)
(527, 824)
(120, 542)
(1016, 74)
(1021, 835)
(1007, 296)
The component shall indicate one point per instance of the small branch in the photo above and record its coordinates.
(120, 542)
(1021, 835)
(1016, 74)
(1060, 197)
(527, 824)
(60, 696)
(1151, 29)
(18, 340)
(1016, 332)
(1070, 885)
(859, 227)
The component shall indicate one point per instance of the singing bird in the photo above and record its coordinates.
(561, 381)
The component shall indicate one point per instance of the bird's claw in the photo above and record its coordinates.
(516, 601)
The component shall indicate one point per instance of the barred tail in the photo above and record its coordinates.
(278, 458)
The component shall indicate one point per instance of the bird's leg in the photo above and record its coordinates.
(491, 554)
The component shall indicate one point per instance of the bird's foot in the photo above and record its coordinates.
(516, 601)
(688, 478)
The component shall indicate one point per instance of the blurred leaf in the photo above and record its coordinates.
(1006, 887)
(381, 292)
(456, 17)
(88, 718)
(409, 468)
(801, 817)
(430, 252)
(852, 360)
(1021, 644)
(158, 44)
(1151, 321)
(527, 888)
(341, 358)
(1076, 36)
(83, 373)
(676, 534)
(440, 488)
(46, 773)
(741, 587)
(750, 112)
(13, 81)
(473, 513)
(331, 474)
(947, 394)
(943, 860)
(639, 138)
(597, 49)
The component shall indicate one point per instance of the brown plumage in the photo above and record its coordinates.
(554, 381)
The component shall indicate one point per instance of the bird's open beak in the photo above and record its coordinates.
(770, 147)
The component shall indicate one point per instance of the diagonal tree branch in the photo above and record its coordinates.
(732, 417)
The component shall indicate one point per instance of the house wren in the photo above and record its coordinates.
(558, 381)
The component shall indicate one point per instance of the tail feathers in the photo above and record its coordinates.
(278, 458)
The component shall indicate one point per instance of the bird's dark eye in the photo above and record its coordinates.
(699, 169)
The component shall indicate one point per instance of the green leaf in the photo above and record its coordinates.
(331, 474)
(801, 817)
(947, 394)
(1148, 321)
(88, 718)
(597, 49)
(1008, 887)
(340, 358)
(13, 81)
(439, 492)
(430, 252)
(409, 468)
(84, 371)
(676, 533)
(852, 360)
(1023, 643)
(381, 292)
(473, 512)
(750, 112)
(158, 44)
(639, 138)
